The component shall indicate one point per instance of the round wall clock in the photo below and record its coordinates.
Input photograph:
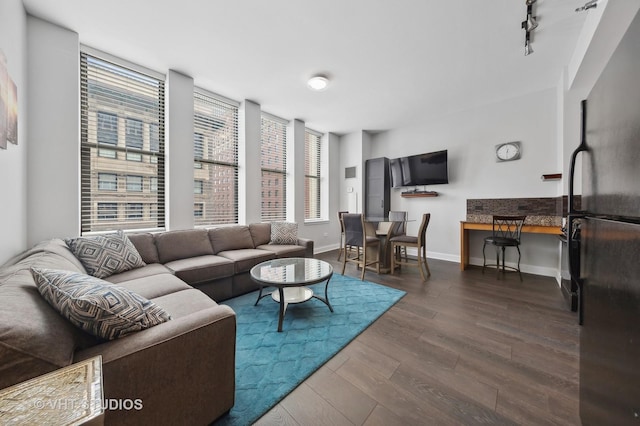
(508, 151)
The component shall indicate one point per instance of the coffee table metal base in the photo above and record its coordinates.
(286, 295)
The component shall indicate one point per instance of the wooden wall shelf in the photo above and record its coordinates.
(419, 194)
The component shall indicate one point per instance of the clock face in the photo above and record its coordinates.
(508, 151)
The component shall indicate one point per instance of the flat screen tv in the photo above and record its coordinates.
(423, 169)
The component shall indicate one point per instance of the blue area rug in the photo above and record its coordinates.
(269, 364)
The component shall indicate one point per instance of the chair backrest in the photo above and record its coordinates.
(422, 231)
(340, 213)
(353, 229)
(508, 226)
(399, 217)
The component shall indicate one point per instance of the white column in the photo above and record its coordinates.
(53, 117)
(295, 171)
(179, 151)
(249, 173)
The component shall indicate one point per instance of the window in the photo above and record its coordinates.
(134, 211)
(198, 186)
(107, 211)
(107, 182)
(215, 146)
(134, 183)
(273, 162)
(107, 133)
(198, 210)
(311, 175)
(133, 139)
(122, 113)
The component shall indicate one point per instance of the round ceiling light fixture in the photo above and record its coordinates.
(318, 82)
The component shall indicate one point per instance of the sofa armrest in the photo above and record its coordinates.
(308, 245)
(181, 371)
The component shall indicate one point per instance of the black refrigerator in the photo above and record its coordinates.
(609, 245)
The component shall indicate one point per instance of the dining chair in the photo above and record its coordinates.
(343, 247)
(401, 217)
(366, 246)
(419, 242)
(505, 233)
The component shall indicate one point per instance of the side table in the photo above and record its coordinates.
(71, 395)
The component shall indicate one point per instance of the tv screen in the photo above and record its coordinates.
(423, 169)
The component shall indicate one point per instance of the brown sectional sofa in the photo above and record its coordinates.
(183, 370)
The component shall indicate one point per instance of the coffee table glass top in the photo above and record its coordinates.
(292, 271)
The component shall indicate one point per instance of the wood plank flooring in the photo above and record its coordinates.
(460, 348)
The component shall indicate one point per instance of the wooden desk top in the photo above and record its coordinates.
(530, 229)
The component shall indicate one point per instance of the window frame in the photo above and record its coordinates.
(273, 169)
(125, 103)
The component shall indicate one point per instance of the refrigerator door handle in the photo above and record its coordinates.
(572, 165)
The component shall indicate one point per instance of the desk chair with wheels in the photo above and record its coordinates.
(419, 242)
(506, 233)
(366, 247)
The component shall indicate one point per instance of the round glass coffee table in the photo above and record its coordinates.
(290, 277)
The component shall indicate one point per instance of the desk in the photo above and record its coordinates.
(465, 227)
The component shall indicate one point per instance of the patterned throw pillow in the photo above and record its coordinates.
(105, 255)
(96, 306)
(284, 233)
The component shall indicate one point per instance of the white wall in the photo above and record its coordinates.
(54, 132)
(352, 189)
(249, 172)
(470, 137)
(13, 170)
(180, 151)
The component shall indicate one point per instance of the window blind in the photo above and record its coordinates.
(311, 175)
(273, 162)
(215, 150)
(122, 147)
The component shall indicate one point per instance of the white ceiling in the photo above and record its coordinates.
(391, 62)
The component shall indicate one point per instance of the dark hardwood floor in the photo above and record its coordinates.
(460, 348)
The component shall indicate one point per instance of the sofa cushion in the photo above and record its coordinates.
(155, 285)
(183, 303)
(174, 245)
(145, 271)
(146, 246)
(282, 250)
(260, 233)
(34, 338)
(230, 238)
(245, 259)
(96, 306)
(202, 268)
(284, 233)
(104, 255)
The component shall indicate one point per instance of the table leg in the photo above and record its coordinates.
(326, 296)
(260, 295)
(283, 306)
(464, 247)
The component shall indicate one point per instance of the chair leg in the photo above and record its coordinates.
(420, 264)
(393, 257)
(497, 262)
(424, 256)
(519, 255)
(344, 262)
(503, 256)
(484, 258)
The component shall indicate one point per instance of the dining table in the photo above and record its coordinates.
(384, 229)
